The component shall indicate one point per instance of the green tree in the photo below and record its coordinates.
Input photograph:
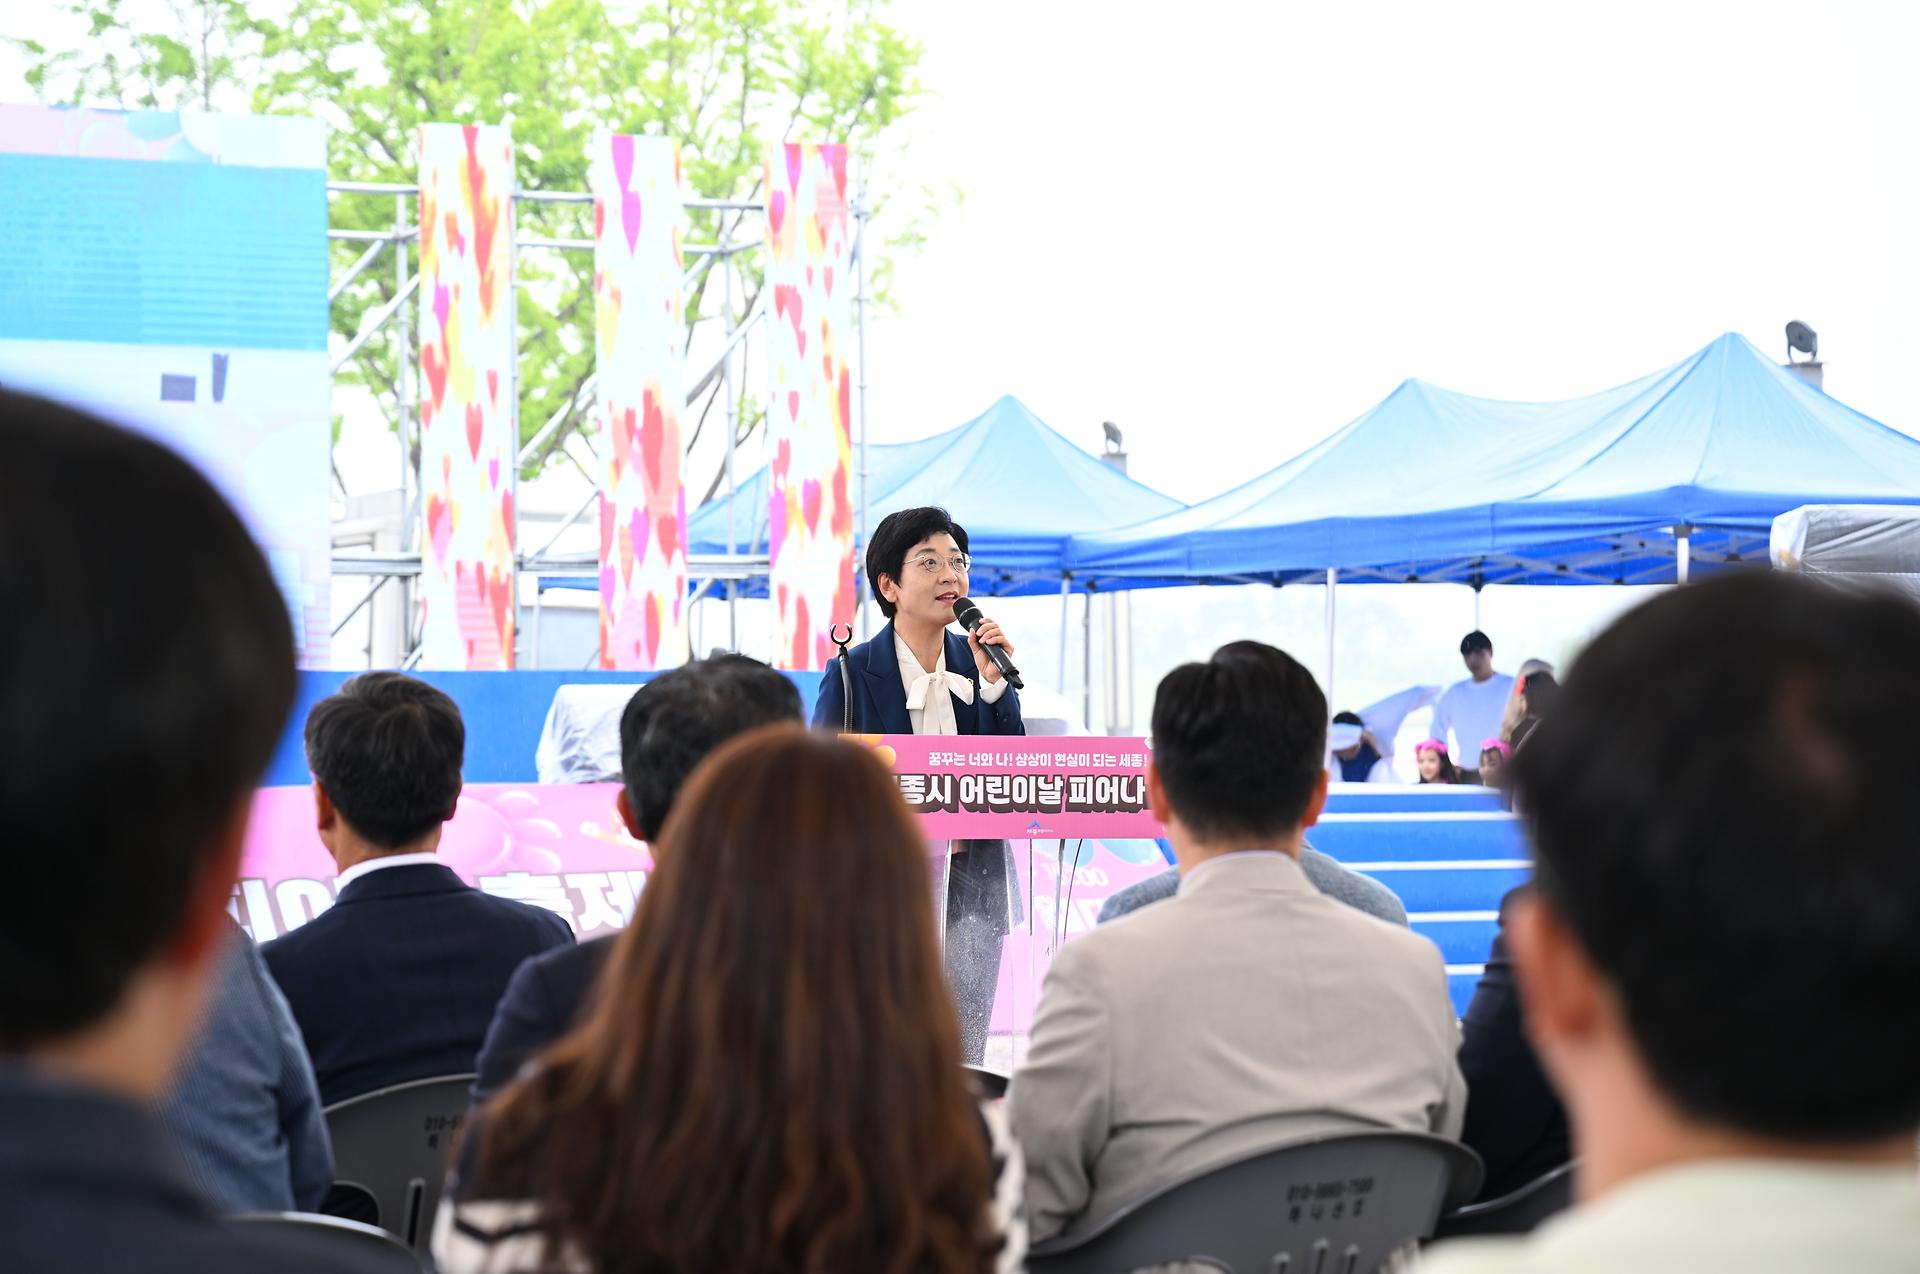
(724, 77)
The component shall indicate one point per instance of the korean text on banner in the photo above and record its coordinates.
(809, 438)
(639, 317)
(169, 271)
(469, 438)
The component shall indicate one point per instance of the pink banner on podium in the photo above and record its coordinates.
(469, 435)
(809, 408)
(639, 321)
(977, 787)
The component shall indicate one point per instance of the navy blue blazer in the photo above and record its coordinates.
(399, 978)
(541, 1003)
(880, 700)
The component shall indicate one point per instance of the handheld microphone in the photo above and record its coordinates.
(969, 617)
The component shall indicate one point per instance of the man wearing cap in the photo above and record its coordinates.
(1471, 708)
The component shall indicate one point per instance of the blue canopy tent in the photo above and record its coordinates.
(1020, 488)
(1627, 486)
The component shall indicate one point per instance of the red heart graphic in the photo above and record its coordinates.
(493, 385)
(653, 438)
(777, 211)
(506, 515)
(599, 217)
(499, 595)
(842, 511)
(476, 429)
(606, 527)
(836, 157)
(796, 154)
(435, 365)
(802, 633)
(846, 401)
(653, 628)
(782, 461)
(669, 532)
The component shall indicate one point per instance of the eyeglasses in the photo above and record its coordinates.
(931, 564)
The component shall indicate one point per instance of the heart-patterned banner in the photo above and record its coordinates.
(469, 432)
(639, 327)
(809, 427)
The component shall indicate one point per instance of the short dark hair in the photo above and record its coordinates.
(1476, 640)
(1722, 813)
(1347, 718)
(1240, 742)
(146, 678)
(673, 722)
(387, 748)
(898, 532)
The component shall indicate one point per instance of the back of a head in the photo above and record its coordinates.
(1239, 742)
(146, 667)
(1722, 812)
(786, 943)
(673, 722)
(388, 749)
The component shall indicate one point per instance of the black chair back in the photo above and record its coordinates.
(394, 1144)
(334, 1237)
(1516, 1213)
(1336, 1205)
(992, 1084)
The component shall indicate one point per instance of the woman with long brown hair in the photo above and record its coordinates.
(768, 1078)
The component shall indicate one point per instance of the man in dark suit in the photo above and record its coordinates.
(146, 679)
(398, 979)
(915, 676)
(1515, 1121)
(667, 729)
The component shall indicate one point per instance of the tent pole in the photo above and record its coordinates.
(1683, 552)
(1333, 586)
(1476, 608)
(1086, 662)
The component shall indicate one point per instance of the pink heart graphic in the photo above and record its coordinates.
(777, 210)
(623, 160)
(493, 472)
(829, 280)
(810, 505)
(796, 154)
(793, 404)
(630, 218)
(776, 526)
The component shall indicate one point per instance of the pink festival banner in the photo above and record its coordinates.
(809, 409)
(1074, 808)
(469, 435)
(639, 315)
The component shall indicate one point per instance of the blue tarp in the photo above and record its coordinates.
(1436, 485)
(1019, 488)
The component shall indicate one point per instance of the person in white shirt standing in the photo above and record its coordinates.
(1719, 954)
(1472, 707)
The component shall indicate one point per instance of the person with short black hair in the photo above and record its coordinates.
(398, 979)
(667, 729)
(146, 679)
(1357, 757)
(916, 677)
(1172, 1040)
(1720, 951)
(1470, 709)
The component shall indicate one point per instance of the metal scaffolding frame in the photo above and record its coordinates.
(705, 571)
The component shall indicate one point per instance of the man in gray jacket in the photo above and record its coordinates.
(1249, 1011)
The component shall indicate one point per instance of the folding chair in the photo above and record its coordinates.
(1515, 1213)
(393, 1145)
(1336, 1205)
(334, 1236)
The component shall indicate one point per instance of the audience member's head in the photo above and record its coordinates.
(1723, 949)
(1346, 742)
(901, 544)
(786, 943)
(673, 722)
(146, 665)
(385, 751)
(1239, 749)
(1538, 690)
(1476, 652)
(1494, 755)
(1431, 760)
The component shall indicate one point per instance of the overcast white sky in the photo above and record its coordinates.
(1232, 228)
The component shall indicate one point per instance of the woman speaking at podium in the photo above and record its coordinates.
(916, 677)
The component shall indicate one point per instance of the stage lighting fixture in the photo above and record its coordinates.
(1804, 339)
(1116, 441)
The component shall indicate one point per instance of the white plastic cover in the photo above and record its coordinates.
(580, 743)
